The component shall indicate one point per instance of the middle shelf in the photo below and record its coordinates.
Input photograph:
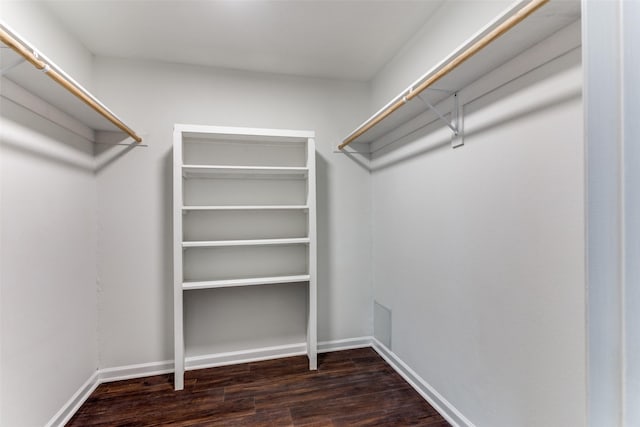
(262, 172)
(247, 208)
(255, 242)
(252, 281)
(245, 261)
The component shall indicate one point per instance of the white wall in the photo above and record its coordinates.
(479, 252)
(135, 249)
(48, 266)
(47, 242)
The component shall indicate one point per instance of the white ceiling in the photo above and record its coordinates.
(322, 38)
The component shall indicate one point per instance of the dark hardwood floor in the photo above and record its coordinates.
(351, 387)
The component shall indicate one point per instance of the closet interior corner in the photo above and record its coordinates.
(314, 212)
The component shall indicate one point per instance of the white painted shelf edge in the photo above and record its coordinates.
(260, 133)
(245, 169)
(245, 282)
(255, 242)
(245, 208)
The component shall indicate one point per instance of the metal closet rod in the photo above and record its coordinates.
(412, 92)
(80, 93)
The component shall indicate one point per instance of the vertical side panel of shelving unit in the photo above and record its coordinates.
(178, 319)
(312, 323)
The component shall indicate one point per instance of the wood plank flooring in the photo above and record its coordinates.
(351, 387)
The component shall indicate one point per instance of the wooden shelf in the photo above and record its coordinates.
(247, 208)
(257, 242)
(243, 172)
(244, 282)
(406, 106)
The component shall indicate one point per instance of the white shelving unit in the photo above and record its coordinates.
(244, 215)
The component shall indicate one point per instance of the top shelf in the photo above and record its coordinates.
(26, 69)
(226, 133)
(491, 47)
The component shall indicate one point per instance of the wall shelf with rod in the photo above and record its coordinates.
(523, 25)
(23, 69)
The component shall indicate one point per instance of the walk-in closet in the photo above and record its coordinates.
(320, 213)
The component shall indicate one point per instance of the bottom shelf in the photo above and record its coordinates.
(244, 282)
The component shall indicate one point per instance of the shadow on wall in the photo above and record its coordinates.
(359, 156)
(31, 135)
(322, 232)
(412, 144)
(443, 140)
(34, 136)
(166, 220)
(111, 146)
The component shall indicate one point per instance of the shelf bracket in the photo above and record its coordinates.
(457, 115)
(455, 124)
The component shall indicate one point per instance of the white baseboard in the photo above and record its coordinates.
(75, 402)
(128, 372)
(448, 411)
(439, 403)
(345, 344)
(267, 353)
(244, 356)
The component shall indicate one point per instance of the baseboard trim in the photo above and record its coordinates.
(435, 399)
(73, 404)
(244, 356)
(345, 344)
(128, 372)
(446, 409)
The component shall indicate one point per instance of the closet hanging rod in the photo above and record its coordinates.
(414, 91)
(32, 56)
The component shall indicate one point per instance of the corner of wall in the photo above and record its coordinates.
(37, 24)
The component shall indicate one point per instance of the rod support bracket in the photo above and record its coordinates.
(455, 124)
(457, 116)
